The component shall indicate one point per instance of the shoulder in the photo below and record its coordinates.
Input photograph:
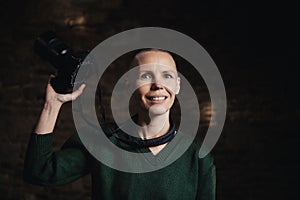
(206, 163)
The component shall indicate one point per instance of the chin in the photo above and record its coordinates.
(157, 110)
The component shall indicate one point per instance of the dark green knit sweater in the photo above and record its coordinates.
(187, 178)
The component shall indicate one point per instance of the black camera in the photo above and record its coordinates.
(63, 58)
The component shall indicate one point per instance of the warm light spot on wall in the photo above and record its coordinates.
(207, 114)
(75, 21)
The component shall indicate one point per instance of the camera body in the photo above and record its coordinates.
(67, 62)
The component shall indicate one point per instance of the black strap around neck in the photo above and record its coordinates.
(140, 143)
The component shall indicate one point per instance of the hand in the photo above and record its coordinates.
(59, 99)
(52, 105)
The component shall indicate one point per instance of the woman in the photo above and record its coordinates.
(189, 177)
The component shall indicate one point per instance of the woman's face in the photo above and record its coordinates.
(157, 82)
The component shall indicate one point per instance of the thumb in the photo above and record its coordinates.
(78, 92)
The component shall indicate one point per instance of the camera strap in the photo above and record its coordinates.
(138, 142)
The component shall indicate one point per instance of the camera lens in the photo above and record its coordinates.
(51, 48)
(57, 46)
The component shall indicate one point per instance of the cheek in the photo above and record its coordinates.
(172, 99)
(142, 91)
(171, 86)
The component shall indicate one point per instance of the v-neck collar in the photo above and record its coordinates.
(162, 156)
(168, 153)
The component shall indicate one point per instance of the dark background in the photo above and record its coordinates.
(252, 43)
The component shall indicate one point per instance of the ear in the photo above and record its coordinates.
(177, 86)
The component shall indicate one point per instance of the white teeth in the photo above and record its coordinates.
(157, 98)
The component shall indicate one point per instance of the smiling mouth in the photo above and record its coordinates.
(156, 98)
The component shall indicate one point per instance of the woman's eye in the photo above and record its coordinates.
(146, 76)
(168, 76)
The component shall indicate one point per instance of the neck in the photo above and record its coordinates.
(153, 126)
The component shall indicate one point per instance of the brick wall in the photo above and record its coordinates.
(255, 154)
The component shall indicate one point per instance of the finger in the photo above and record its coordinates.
(49, 86)
(50, 90)
(50, 77)
(70, 97)
(78, 92)
(82, 87)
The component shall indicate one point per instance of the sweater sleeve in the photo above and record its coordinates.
(207, 179)
(43, 166)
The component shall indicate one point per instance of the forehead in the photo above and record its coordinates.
(159, 58)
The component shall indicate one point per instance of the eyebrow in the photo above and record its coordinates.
(168, 71)
(145, 71)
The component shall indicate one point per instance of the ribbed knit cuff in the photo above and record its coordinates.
(41, 144)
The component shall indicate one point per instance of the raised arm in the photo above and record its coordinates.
(42, 166)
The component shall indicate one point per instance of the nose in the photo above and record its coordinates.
(156, 85)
